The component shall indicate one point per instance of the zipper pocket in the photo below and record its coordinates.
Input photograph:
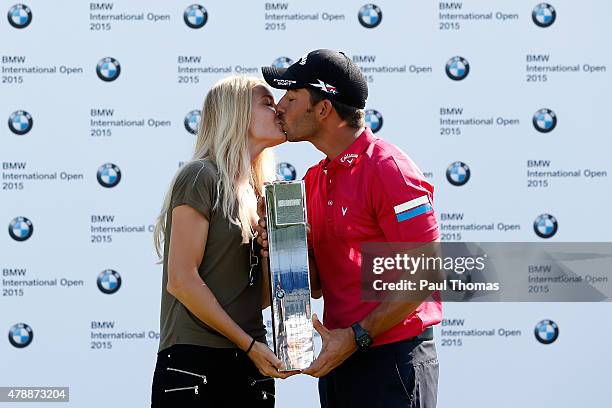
(194, 388)
(264, 394)
(203, 377)
(263, 379)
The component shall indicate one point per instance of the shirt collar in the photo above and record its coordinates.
(350, 155)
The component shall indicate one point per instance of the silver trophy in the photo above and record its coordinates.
(289, 277)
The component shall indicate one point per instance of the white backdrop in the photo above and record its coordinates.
(51, 155)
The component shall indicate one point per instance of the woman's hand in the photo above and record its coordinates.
(267, 363)
(261, 228)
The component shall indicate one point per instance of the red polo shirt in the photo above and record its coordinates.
(372, 192)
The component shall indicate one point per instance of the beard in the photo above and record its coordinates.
(302, 130)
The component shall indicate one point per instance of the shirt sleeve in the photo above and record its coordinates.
(196, 187)
(403, 202)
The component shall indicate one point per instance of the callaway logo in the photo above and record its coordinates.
(283, 82)
(349, 157)
(325, 87)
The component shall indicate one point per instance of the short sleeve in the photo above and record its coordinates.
(403, 202)
(196, 186)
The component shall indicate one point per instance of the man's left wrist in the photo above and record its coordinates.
(362, 337)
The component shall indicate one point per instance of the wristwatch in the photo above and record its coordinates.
(362, 337)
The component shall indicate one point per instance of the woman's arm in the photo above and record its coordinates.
(186, 251)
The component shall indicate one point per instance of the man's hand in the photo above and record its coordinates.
(338, 345)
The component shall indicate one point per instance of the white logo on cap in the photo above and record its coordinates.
(283, 82)
(302, 60)
(325, 87)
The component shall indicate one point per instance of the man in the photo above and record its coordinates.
(375, 354)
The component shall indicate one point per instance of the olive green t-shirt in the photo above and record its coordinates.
(224, 267)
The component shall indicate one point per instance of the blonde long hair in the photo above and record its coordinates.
(222, 138)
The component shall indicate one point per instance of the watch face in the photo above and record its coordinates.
(365, 341)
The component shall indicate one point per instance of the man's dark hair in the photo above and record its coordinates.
(354, 117)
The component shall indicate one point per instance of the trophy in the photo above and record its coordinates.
(289, 276)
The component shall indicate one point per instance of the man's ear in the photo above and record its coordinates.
(325, 109)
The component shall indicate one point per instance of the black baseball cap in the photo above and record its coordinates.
(329, 71)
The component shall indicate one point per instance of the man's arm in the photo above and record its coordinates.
(339, 344)
(395, 306)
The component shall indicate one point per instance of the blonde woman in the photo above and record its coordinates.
(212, 348)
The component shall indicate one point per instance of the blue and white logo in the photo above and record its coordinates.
(286, 172)
(109, 175)
(370, 15)
(109, 281)
(192, 121)
(108, 69)
(543, 15)
(545, 226)
(20, 335)
(373, 120)
(195, 16)
(544, 120)
(546, 331)
(458, 173)
(282, 62)
(20, 122)
(20, 229)
(457, 68)
(20, 16)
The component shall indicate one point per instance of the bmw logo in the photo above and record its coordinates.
(286, 171)
(280, 293)
(457, 68)
(370, 15)
(21, 335)
(282, 62)
(109, 281)
(465, 278)
(546, 332)
(373, 120)
(544, 120)
(20, 16)
(108, 69)
(20, 122)
(109, 175)
(458, 173)
(543, 15)
(545, 226)
(20, 229)
(195, 16)
(192, 121)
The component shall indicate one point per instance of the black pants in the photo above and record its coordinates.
(196, 376)
(402, 374)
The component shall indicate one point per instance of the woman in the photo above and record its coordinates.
(212, 348)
